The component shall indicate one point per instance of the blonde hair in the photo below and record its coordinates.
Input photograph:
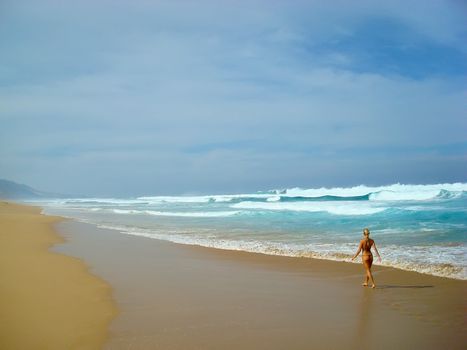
(366, 232)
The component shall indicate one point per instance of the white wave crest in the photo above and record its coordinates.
(390, 192)
(209, 214)
(202, 199)
(404, 196)
(394, 192)
(176, 199)
(337, 208)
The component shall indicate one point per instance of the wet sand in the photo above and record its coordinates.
(174, 296)
(47, 300)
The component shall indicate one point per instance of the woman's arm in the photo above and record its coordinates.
(376, 251)
(358, 251)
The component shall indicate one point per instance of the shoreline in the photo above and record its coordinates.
(310, 256)
(189, 297)
(48, 300)
(452, 267)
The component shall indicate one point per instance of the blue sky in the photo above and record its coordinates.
(117, 98)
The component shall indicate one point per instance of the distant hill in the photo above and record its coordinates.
(13, 190)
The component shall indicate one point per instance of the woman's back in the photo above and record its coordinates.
(367, 243)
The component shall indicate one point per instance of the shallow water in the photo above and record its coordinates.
(416, 227)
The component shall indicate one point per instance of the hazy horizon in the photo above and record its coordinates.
(136, 98)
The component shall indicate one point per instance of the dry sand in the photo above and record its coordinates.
(182, 297)
(47, 300)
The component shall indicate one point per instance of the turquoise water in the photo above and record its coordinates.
(416, 227)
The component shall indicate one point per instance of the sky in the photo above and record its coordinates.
(128, 98)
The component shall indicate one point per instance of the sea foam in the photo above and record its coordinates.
(337, 208)
(418, 227)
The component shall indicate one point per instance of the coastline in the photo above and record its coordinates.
(174, 296)
(47, 300)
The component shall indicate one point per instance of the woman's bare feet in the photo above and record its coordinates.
(373, 286)
(364, 284)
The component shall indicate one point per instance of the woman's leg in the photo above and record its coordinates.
(365, 283)
(367, 262)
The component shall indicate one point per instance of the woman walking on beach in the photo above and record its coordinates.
(367, 257)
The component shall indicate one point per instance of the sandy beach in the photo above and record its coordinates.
(172, 296)
(47, 300)
(175, 296)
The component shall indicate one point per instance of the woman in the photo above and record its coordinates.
(367, 258)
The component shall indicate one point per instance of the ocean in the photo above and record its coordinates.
(416, 227)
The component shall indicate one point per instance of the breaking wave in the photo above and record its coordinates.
(208, 214)
(340, 208)
(395, 192)
(429, 221)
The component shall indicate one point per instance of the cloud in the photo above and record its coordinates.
(171, 97)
